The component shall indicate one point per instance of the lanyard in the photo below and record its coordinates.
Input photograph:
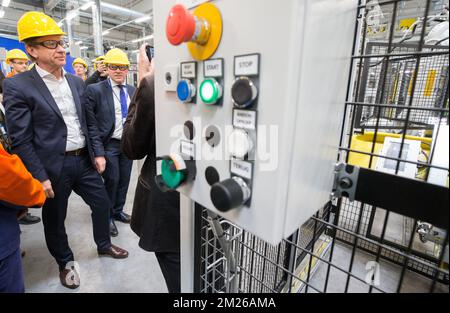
(114, 93)
(118, 98)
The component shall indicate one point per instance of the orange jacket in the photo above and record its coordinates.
(10, 74)
(17, 186)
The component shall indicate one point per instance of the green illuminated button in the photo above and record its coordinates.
(210, 91)
(172, 177)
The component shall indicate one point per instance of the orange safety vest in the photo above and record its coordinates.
(17, 186)
(10, 74)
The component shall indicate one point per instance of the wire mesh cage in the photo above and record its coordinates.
(396, 122)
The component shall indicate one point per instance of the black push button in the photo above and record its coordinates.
(243, 92)
(212, 176)
(229, 194)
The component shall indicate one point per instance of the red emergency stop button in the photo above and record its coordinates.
(180, 26)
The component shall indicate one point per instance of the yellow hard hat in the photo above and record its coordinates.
(15, 54)
(37, 24)
(98, 60)
(79, 61)
(117, 57)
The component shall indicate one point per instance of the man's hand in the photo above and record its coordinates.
(47, 185)
(22, 213)
(100, 164)
(101, 68)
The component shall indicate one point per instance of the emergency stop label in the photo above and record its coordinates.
(241, 168)
(213, 68)
(189, 70)
(244, 119)
(246, 65)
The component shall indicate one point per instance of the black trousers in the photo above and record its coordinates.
(170, 267)
(77, 175)
(117, 176)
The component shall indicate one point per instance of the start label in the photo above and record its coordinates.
(213, 68)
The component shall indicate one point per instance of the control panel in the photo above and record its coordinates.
(250, 98)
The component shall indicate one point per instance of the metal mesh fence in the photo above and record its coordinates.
(395, 115)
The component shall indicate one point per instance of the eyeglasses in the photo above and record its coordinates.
(51, 44)
(20, 62)
(117, 67)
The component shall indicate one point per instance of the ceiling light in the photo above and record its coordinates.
(87, 5)
(106, 32)
(142, 39)
(142, 19)
(5, 3)
(83, 48)
(79, 42)
(2, 13)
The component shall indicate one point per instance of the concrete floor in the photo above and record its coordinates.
(140, 272)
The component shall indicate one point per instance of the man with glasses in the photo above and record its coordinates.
(107, 107)
(18, 60)
(49, 132)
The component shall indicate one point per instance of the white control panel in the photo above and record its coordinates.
(254, 105)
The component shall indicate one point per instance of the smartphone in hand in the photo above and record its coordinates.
(150, 52)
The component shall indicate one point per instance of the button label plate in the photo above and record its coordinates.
(213, 68)
(189, 70)
(187, 148)
(244, 119)
(241, 168)
(246, 65)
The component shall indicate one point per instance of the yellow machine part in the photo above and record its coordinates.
(212, 14)
(364, 143)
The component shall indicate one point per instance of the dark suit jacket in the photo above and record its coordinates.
(35, 124)
(99, 103)
(156, 215)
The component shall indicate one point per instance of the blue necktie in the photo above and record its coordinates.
(123, 102)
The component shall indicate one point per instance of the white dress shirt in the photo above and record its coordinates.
(118, 128)
(60, 91)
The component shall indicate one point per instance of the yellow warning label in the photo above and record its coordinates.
(406, 23)
(430, 83)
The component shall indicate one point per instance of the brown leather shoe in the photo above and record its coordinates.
(114, 252)
(70, 278)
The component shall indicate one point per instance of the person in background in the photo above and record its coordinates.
(18, 60)
(18, 190)
(156, 215)
(107, 107)
(2, 78)
(80, 67)
(100, 72)
(48, 130)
